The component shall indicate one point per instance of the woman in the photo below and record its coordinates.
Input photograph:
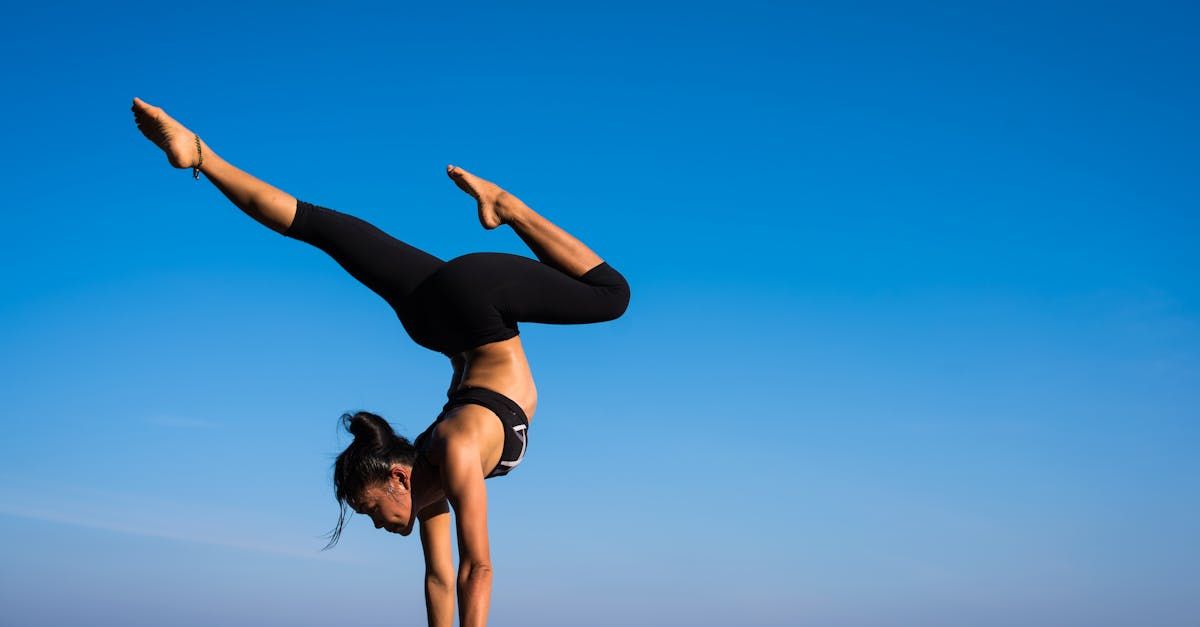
(467, 309)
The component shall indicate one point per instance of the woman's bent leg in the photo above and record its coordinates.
(551, 244)
(571, 285)
(487, 294)
(548, 295)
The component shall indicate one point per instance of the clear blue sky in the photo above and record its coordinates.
(914, 336)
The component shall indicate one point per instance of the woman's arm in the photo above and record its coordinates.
(463, 481)
(439, 564)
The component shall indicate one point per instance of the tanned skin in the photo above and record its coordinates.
(469, 441)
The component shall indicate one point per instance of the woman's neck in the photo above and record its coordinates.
(426, 483)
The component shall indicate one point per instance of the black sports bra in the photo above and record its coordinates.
(516, 425)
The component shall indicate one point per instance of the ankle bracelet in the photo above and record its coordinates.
(196, 168)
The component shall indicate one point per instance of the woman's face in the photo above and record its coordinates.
(388, 504)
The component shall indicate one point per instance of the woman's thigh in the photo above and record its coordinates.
(513, 288)
(386, 265)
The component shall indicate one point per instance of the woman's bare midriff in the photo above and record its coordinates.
(502, 367)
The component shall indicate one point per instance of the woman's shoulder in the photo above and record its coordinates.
(448, 425)
(421, 442)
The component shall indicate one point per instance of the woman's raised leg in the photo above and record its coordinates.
(272, 207)
(386, 265)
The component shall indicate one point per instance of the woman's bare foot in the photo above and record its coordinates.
(172, 137)
(496, 206)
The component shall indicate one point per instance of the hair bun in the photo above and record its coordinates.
(370, 428)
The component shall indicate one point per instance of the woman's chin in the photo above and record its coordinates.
(404, 531)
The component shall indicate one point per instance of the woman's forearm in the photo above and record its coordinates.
(439, 602)
(474, 594)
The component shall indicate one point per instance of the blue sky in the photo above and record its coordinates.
(914, 336)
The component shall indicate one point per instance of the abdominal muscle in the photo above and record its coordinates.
(501, 367)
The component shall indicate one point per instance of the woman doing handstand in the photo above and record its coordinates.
(467, 309)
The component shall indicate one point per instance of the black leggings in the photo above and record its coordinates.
(452, 306)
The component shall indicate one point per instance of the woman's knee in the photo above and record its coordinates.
(617, 288)
(617, 299)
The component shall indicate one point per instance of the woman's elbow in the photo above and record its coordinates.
(474, 571)
(439, 580)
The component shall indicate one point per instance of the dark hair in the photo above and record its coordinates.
(366, 461)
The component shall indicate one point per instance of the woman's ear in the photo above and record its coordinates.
(402, 476)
